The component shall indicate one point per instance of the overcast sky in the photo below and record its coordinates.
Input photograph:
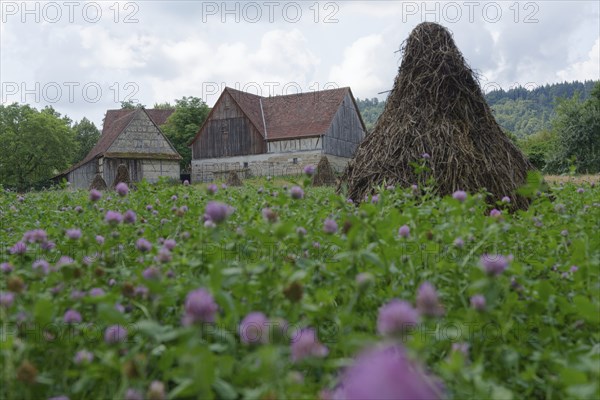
(85, 57)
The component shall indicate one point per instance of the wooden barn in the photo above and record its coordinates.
(133, 138)
(279, 135)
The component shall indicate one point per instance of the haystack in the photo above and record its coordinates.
(98, 183)
(324, 175)
(122, 175)
(436, 107)
(233, 179)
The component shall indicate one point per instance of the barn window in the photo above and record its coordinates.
(245, 165)
(295, 161)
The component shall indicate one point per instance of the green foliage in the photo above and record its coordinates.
(536, 338)
(163, 106)
(524, 117)
(86, 137)
(513, 138)
(34, 145)
(130, 105)
(542, 95)
(370, 110)
(520, 111)
(539, 147)
(190, 113)
(525, 112)
(577, 129)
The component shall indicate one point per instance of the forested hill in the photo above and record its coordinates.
(525, 112)
(370, 110)
(520, 111)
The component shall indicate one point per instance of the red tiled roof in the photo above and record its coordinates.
(115, 122)
(291, 116)
(158, 116)
(299, 115)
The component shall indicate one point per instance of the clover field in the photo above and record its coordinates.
(271, 292)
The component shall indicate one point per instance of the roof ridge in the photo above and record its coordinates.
(147, 109)
(306, 93)
(124, 115)
(241, 91)
(345, 88)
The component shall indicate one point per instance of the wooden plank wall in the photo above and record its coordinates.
(110, 169)
(346, 131)
(227, 133)
(82, 177)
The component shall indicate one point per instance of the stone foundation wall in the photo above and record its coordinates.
(274, 164)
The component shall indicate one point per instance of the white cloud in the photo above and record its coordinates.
(585, 69)
(373, 9)
(280, 56)
(112, 51)
(285, 52)
(363, 65)
(170, 53)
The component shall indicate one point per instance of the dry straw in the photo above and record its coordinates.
(437, 107)
(122, 175)
(98, 183)
(233, 179)
(324, 175)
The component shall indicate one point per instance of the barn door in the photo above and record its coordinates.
(227, 137)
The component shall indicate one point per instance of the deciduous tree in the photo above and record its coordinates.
(577, 127)
(86, 136)
(34, 145)
(190, 113)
